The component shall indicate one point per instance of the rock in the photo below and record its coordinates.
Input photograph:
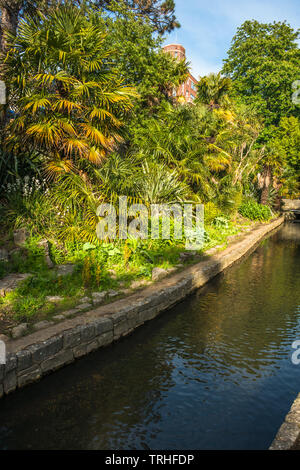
(42, 324)
(85, 300)
(20, 236)
(45, 245)
(61, 359)
(125, 291)
(24, 359)
(113, 293)
(158, 273)
(65, 269)
(87, 332)
(59, 317)
(10, 282)
(103, 325)
(82, 307)
(10, 382)
(98, 297)
(46, 349)
(4, 338)
(19, 330)
(138, 284)
(290, 204)
(3, 255)
(28, 376)
(187, 255)
(70, 313)
(54, 298)
(93, 346)
(11, 362)
(72, 337)
(171, 270)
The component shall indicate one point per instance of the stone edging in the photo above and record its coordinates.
(289, 433)
(33, 356)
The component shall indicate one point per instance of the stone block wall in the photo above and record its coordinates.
(288, 436)
(290, 204)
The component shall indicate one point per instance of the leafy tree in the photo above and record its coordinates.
(169, 138)
(135, 56)
(139, 57)
(213, 154)
(136, 48)
(68, 99)
(160, 13)
(263, 62)
(285, 144)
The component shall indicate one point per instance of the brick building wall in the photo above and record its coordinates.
(187, 90)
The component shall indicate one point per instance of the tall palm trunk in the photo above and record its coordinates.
(266, 182)
(10, 10)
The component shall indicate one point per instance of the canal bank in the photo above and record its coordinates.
(288, 436)
(31, 357)
(213, 372)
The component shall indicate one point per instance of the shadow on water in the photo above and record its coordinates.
(215, 372)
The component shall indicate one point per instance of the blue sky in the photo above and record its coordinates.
(207, 26)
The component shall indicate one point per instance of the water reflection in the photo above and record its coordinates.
(213, 373)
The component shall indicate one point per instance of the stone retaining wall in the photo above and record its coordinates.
(290, 204)
(288, 436)
(33, 356)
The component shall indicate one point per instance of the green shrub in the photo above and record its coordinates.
(211, 211)
(221, 222)
(229, 198)
(254, 211)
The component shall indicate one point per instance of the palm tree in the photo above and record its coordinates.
(213, 90)
(157, 184)
(68, 101)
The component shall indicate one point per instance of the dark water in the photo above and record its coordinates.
(213, 373)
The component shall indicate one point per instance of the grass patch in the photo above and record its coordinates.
(97, 268)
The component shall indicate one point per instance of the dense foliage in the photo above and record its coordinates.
(69, 98)
(263, 63)
(91, 116)
(254, 211)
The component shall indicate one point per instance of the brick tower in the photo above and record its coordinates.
(187, 90)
